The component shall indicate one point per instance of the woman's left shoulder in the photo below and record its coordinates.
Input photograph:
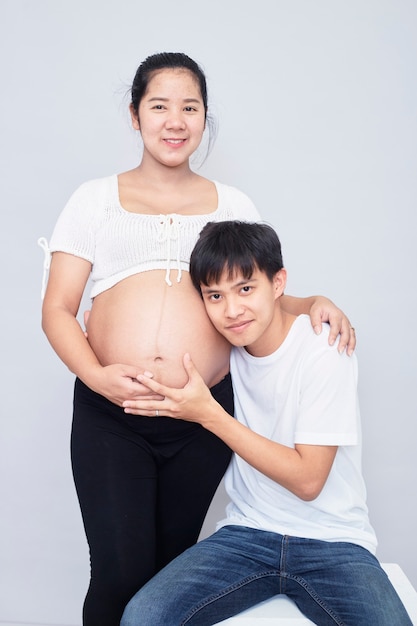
(237, 201)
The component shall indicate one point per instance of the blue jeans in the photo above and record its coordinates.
(237, 567)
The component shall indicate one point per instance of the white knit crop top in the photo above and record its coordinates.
(118, 243)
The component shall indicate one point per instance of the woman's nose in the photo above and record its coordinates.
(175, 120)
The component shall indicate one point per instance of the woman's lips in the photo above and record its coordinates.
(175, 142)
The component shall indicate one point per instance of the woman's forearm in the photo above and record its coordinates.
(297, 306)
(67, 338)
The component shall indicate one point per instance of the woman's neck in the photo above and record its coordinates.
(156, 173)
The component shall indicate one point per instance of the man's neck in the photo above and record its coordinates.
(275, 336)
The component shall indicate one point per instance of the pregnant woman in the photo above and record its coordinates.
(144, 485)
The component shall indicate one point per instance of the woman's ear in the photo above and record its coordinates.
(134, 116)
(280, 282)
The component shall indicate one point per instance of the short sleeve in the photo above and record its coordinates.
(74, 232)
(238, 204)
(328, 401)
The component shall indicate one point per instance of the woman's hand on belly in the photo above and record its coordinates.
(118, 383)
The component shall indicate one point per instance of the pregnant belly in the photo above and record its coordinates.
(144, 322)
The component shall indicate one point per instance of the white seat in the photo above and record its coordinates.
(281, 611)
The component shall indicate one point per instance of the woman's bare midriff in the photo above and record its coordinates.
(142, 321)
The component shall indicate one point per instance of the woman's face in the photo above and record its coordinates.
(171, 117)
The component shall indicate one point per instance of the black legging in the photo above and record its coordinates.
(144, 487)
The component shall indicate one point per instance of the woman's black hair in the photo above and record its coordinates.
(171, 60)
(234, 246)
(164, 61)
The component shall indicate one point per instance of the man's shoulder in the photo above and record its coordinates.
(303, 330)
(316, 353)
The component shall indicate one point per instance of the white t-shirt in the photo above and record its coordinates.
(306, 393)
(94, 226)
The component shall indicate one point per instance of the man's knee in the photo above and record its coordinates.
(139, 612)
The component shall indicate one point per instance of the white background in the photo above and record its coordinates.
(316, 102)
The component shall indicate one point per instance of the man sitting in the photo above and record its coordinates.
(297, 522)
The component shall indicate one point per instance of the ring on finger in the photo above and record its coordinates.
(156, 413)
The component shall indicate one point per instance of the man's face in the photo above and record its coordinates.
(245, 310)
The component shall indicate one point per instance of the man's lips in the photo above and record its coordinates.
(238, 327)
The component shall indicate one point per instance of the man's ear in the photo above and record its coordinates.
(280, 282)
(134, 117)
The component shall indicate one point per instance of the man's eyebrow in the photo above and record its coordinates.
(208, 290)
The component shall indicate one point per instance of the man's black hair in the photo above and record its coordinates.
(234, 246)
